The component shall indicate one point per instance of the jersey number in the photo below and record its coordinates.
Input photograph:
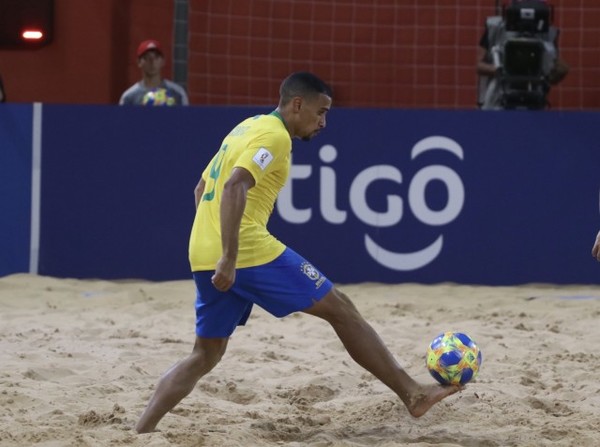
(215, 171)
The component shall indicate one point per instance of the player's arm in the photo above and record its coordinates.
(559, 71)
(596, 248)
(484, 68)
(198, 191)
(233, 203)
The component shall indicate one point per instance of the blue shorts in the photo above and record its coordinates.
(285, 285)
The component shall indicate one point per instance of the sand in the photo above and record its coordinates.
(80, 359)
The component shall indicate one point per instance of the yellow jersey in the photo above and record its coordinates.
(263, 146)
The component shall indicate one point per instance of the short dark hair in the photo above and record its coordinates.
(302, 84)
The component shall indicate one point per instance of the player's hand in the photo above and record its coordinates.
(558, 72)
(224, 276)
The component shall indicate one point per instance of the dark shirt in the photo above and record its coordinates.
(2, 90)
(484, 42)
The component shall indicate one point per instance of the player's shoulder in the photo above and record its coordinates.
(130, 94)
(258, 123)
(264, 131)
(174, 86)
(270, 122)
(273, 128)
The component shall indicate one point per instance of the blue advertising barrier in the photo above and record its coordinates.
(380, 195)
(15, 186)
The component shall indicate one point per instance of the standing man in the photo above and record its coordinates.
(237, 263)
(152, 89)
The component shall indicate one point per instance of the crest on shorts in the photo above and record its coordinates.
(309, 270)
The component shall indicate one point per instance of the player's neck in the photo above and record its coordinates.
(153, 81)
(281, 115)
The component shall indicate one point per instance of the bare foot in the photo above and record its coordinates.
(429, 395)
(142, 431)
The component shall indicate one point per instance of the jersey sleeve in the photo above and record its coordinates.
(265, 154)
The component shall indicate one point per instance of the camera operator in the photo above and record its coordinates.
(527, 30)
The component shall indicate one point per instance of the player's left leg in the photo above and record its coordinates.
(366, 348)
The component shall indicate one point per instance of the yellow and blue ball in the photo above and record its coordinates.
(158, 97)
(453, 358)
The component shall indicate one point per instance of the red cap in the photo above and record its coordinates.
(148, 45)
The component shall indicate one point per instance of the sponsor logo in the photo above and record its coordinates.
(393, 214)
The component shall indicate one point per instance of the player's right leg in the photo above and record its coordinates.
(368, 350)
(180, 379)
(217, 316)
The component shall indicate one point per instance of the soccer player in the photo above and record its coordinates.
(237, 263)
(596, 247)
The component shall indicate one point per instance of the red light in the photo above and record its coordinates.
(31, 34)
(26, 24)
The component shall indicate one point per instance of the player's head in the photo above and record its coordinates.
(302, 84)
(305, 100)
(150, 57)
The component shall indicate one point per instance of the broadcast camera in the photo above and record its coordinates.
(522, 45)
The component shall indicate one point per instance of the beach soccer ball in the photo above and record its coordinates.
(158, 97)
(453, 358)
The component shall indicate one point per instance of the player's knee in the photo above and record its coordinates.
(336, 307)
(208, 352)
(345, 303)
